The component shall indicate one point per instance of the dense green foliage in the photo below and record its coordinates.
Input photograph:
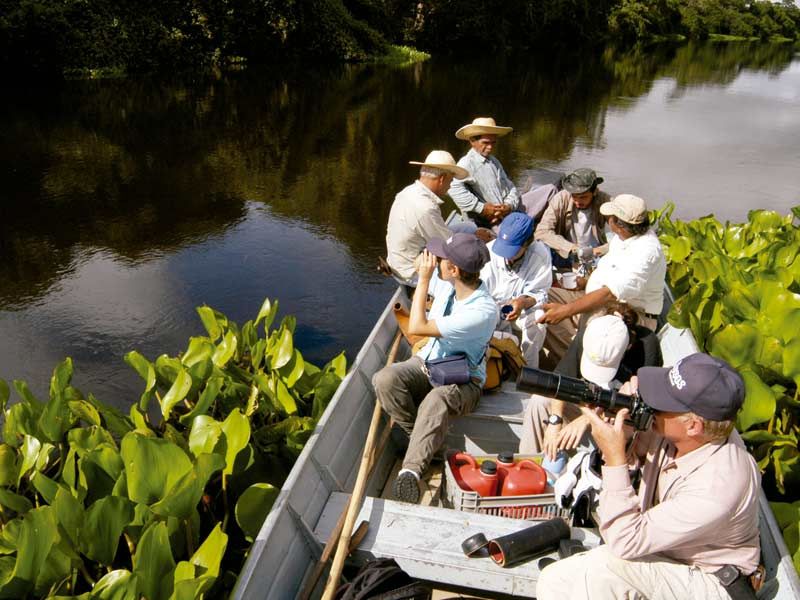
(162, 503)
(738, 289)
(788, 517)
(98, 36)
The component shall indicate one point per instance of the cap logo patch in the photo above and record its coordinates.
(449, 240)
(675, 377)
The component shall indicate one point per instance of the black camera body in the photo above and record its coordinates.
(578, 391)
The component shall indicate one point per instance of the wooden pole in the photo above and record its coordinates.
(358, 490)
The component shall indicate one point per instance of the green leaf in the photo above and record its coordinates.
(214, 322)
(207, 397)
(30, 453)
(37, 536)
(236, 428)
(142, 366)
(152, 467)
(204, 435)
(19, 504)
(182, 499)
(25, 393)
(176, 393)
(323, 392)
(225, 350)
(153, 562)
(4, 394)
(105, 521)
(284, 349)
(284, 397)
(759, 401)
(338, 365)
(679, 249)
(86, 439)
(69, 514)
(116, 585)
(83, 410)
(253, 506)
(738, 344)
(209, 555)
(200, 349)
(293, 370)
(8, 465)
(45, 486)
(267, 311)
(791, 360)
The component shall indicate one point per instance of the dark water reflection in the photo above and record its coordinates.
(125, 204)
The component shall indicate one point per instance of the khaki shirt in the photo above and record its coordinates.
(700, 509)
(414, 219)
(557, 222)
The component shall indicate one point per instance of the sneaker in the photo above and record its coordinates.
(406, 487)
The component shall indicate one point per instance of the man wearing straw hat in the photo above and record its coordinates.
(488, 195)
(415, 217)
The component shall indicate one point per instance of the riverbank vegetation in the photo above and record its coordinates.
(102, 38)
(737, 287)
(164, 502)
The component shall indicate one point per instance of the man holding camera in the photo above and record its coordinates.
(690, 530)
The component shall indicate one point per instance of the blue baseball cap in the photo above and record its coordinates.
(514, 231)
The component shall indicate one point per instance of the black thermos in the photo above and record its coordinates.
(518, 547)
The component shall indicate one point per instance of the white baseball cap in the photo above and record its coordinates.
(604, 344)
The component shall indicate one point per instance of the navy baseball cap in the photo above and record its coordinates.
(514, 231)
(699, 383)
(464, 250)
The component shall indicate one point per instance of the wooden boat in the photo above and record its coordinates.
(425, 540)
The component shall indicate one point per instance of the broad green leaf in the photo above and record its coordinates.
(116, 585)
(25, 393)
(214, 322)
(60, 379)
(209, 555)
(791, 360)
(9, 538)
(758, 435)
(20, 420)
(249, 336)
(8, 465)
(200, 349)
(107, 458)
(284, 349)
(338, 365)
(4, 394)
(293, 370)
(738, 344)
(30, 452)
(69, 514)
(253, 506)
(19, 504)
(116, 422)
(236, 428)
(138, 419)
(679, 249)
(85, 411)
(152, 467)
(323, 392)
(759, 401)
(257, 354)
(785, 513)
(105, 521)
(204, 435)
(167, 369)
(86, 439)
(284, 397)
(37, 536)
(142, 366)
(176, 393)
(225, 350)
(182, 499)
(45, 486)
(207, 397)
(267, 311)
(153, 562)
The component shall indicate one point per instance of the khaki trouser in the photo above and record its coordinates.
(559, 335)
(599, 575)
(531, 334)
(534, 422)
(421, 410)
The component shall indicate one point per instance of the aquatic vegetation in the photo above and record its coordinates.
(164, 502)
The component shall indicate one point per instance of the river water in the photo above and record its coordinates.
(127, 203)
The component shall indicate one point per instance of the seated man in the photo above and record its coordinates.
(519, 274)
(573, 227)
(488, 195)
(415, 217)
(461, 321)
(607, 351)
(633, 271)
(695, 512)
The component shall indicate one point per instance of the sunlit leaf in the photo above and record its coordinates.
(30, 452)
(323, 392)
(152, 467)
(738, 344)
(337, 365)
(204, 435)
(236, 428)
(293, 370)
(209, 319)
(83, 410)
(17, 503)
(177, 392)
(759, 402)
(284, 397)
(153, 562)
(182, 498)
(199, 349)
(207, 397)
(284, 349)
(105, 521)
(4, 394)
(253, 506)
(224, 350)
(8, 465)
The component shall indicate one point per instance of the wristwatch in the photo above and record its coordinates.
(555, 420)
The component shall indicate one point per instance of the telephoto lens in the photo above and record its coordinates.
(578, 391)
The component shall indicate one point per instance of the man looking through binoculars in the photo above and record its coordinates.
(691, 528)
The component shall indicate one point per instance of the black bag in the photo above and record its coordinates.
(447, 370)
(382, 579)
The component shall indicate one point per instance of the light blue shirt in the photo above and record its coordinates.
(487, 182)
(467, 329)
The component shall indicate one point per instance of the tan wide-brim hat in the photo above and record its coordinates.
(626, 207)
(441, 159)
(480, 126)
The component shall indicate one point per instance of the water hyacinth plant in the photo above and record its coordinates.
(164, 502)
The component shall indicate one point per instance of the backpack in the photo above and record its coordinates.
(504, 360)
(382, 579)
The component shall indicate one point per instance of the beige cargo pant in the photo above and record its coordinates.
(599, 575)
(534, 422)
(421, 410)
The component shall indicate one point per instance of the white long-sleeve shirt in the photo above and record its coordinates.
(532, 277)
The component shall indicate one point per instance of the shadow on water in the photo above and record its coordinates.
(145, 170)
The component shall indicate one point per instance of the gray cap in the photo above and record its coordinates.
(699, 383)
(464, 250)
(581, 181)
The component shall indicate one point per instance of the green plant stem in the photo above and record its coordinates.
(86, 575)
(131, 545)
(189, 544)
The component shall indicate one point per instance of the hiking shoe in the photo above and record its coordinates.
(406, 487)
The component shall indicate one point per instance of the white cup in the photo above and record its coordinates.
(569, 281)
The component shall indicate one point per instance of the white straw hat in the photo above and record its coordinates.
(480, 126)
(604, 344)
(626, 207)
(441, 159)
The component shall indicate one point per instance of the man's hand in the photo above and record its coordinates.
(580, 283)
(555, 313)
(519, 304)
(550, 441)
(484, 234)
(609, 435)
(425, 265)
(572, 433)
(494, 213)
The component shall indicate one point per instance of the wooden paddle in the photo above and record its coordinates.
(368, 459)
